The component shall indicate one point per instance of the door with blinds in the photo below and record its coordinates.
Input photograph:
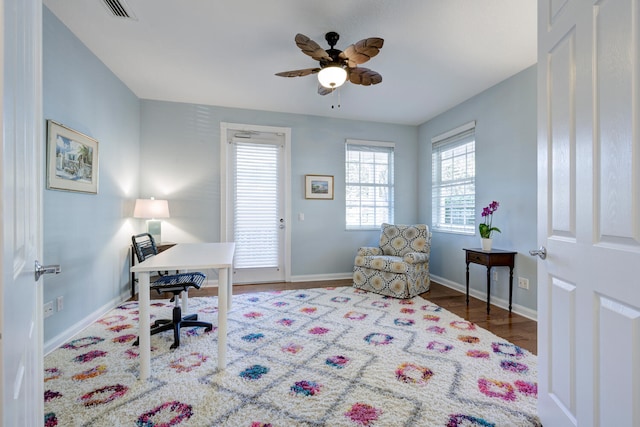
(255, 214)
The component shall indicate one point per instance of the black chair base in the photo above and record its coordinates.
(175, 324)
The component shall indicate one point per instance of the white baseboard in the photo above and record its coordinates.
(499, 302)
(320, 277)
(76, 328)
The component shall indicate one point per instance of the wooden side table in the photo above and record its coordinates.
(492, 258)
(161, 248)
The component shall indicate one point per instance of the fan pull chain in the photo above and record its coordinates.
(337, 90)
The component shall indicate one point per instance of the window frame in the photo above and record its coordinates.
(387, 148)
(464, 210)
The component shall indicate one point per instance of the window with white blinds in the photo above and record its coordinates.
(369, 184)
(256, 204)
(453, 185)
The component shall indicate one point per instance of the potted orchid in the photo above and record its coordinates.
(486, 228)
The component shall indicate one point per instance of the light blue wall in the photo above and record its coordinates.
(180, 154)
(164, 149)
(88, 234)
(506, 171)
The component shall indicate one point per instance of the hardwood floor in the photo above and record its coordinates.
(510, 326)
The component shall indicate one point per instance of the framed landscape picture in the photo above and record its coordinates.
(318, 187)
(72, 160)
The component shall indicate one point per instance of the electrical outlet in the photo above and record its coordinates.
(48, 309)
(59, 301)
(495, 275)
(523, 283)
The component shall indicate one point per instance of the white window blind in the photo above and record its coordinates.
(453, 180)
(368, 184)
(256, 217)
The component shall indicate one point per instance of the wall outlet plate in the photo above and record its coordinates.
(48, 309)
(523, 283)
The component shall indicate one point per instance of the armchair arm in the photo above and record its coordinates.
(415, 257)
(369, 251)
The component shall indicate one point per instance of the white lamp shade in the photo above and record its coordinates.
(151, 208)
(332, 77)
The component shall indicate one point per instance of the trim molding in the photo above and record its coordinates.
(319, 277)
(498, 302)
(76, 328)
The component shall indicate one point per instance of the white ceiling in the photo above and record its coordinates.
(436, 54)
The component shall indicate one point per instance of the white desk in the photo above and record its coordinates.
(192, 257)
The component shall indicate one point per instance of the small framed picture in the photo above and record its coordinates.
(72, 160)
(318, 187)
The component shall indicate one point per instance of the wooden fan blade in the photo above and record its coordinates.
(298, 73)
(311, 48)
(364, 76)
(362, 51)
(324, 90)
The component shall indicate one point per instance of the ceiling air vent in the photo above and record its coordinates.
(119, 9)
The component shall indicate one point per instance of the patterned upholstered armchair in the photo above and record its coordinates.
(400, 266)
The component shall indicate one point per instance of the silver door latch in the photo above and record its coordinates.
(46, 269)
(541, 252)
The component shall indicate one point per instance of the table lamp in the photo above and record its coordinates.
(152, 210)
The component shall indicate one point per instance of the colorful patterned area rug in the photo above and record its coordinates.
(316, 357)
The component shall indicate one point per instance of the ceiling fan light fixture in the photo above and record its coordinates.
(332, 77)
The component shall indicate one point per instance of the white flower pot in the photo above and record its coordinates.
(486, 244)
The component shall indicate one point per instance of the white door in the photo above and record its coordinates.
(20, 216)
(589, 212)
(256, 191)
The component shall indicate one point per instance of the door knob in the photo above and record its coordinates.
(46, 269)
(541, 252)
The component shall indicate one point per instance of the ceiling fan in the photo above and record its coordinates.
(336, 66)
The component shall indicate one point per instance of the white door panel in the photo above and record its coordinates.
(589, 212)
(21, 326)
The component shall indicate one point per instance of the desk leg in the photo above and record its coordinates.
(144, 328)
(488, 289)
(510, 286)
(230, 288)
(223, 286)
(467, 283)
